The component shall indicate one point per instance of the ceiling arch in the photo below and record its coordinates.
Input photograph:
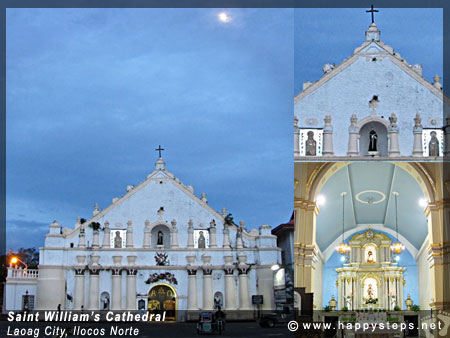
(370, 201)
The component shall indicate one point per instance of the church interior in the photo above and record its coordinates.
(370, 238)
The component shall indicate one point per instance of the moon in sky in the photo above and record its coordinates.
(224, 17)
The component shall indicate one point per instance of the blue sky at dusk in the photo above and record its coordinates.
(330, 35)
(92, 92)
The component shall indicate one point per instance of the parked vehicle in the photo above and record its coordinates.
(207, 324)
(276, 318)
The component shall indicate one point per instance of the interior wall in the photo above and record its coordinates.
(318, 283)
(424, 280)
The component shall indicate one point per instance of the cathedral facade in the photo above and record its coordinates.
(372, 105)
(157, 248)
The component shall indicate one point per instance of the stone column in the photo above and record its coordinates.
(129, 239)
(106, 236)
(417, 131)
(327, 149)
(95, 239)
(190, 242)
(239, 241)
(447, 137)
(192, 283)
(353, 137)
(174, 234)
(208, 299)
(82, 238)
(393, 130)
(79, 283)
(296, 137)
(212, 234)
(147, 235)
(230, 287)
(94, 278)
(244, 297)
(226, 237)
(131, 283)
(116, 271)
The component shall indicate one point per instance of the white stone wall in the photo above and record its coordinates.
(423, 273)
(350, 91)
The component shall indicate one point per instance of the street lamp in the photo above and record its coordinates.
(16, 259)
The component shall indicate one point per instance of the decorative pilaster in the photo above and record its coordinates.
(353, 137)
(116, 272)
(190, 242)
(417, 131)
(82, 238)
(147, 235)
(106, 236)
(244, 297)
(95, 239)
(239, 242)
(327, 149)
(174, 234)
(192, 283)
(129, 239)
(79, 283)
(296, 137)
(131, 283)
(208, 300)
(94, 279)
(230, 287)
(212, 234)
(226, 237)
(393, 130)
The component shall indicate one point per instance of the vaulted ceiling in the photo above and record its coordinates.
(370, 201)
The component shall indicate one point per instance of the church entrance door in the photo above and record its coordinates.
(163, 298)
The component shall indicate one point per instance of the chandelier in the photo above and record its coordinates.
(397, 248)
(343, 248)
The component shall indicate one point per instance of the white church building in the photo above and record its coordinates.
(374, 105)
(159, 247)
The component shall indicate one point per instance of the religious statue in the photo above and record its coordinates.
(310, 144)
(370, 257)
(160, 238)
(370, 291)
(373, 140)
(117, 240)
(433, 146)
(201, 240)
(106, 303)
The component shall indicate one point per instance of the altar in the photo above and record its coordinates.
(370, 278)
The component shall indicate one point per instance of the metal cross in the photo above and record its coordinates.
(372, 11)
(159, 150)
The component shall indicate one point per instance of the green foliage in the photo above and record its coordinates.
(345, 309)
(82, 220)
(29, 256)
(397, 308)
(229, 219)
(327, 308)
(415, 308)
(95, 226)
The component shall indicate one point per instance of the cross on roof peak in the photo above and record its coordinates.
(159, 149)
(371, 10)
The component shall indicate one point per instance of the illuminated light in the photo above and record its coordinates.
(342, 258)
(343, 248)
(423, 202)
(14, 260)
(397, 248)
(397, 258)
(224, 17)
(275, 267)
(320, 200)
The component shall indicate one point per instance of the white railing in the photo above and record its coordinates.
(23, 273)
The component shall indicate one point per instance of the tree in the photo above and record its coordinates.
(29, 256)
